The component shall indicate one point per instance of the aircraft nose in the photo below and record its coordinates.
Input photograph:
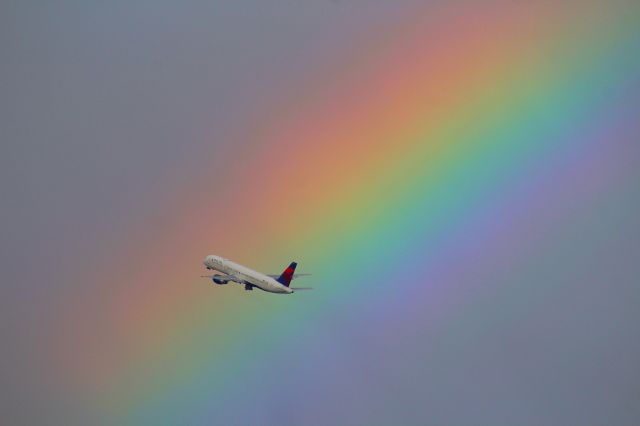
(207, 261)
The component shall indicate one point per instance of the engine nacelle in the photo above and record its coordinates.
(218, 279)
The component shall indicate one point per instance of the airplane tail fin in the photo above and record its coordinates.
(287, 275)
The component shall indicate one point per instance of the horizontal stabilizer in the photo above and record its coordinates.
(294, 275)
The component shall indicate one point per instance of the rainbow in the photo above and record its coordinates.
(403, 169)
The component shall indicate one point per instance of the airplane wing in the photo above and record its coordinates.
(225, 277)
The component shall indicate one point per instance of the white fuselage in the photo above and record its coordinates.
(243, 273)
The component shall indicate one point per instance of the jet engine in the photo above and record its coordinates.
(219, 279)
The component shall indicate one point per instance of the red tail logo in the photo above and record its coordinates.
(287, 275)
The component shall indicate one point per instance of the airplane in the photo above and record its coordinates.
(233, 272)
